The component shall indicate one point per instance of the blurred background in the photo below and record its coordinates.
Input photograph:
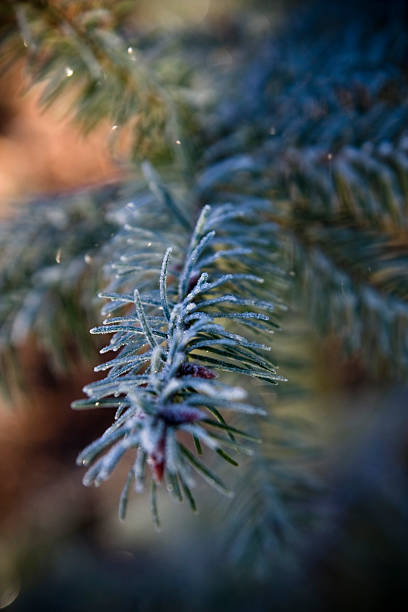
(62, 546)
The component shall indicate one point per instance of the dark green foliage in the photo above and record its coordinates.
(322, 133)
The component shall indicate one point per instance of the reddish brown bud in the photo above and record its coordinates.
(195, 370)
(157, 460)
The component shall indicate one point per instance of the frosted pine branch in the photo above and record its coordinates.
(172, 343)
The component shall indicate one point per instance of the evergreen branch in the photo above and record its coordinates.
(345, 236)
(83, 49)
(339, 195)
(161, 387)
(51, 261)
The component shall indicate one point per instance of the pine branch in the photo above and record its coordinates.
(172, 341)
(51, 264)
(338, 195)
(84, 48)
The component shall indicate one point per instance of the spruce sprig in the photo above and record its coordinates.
(171, 344)
(83, 48)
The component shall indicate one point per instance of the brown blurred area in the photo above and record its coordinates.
(43, 151)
